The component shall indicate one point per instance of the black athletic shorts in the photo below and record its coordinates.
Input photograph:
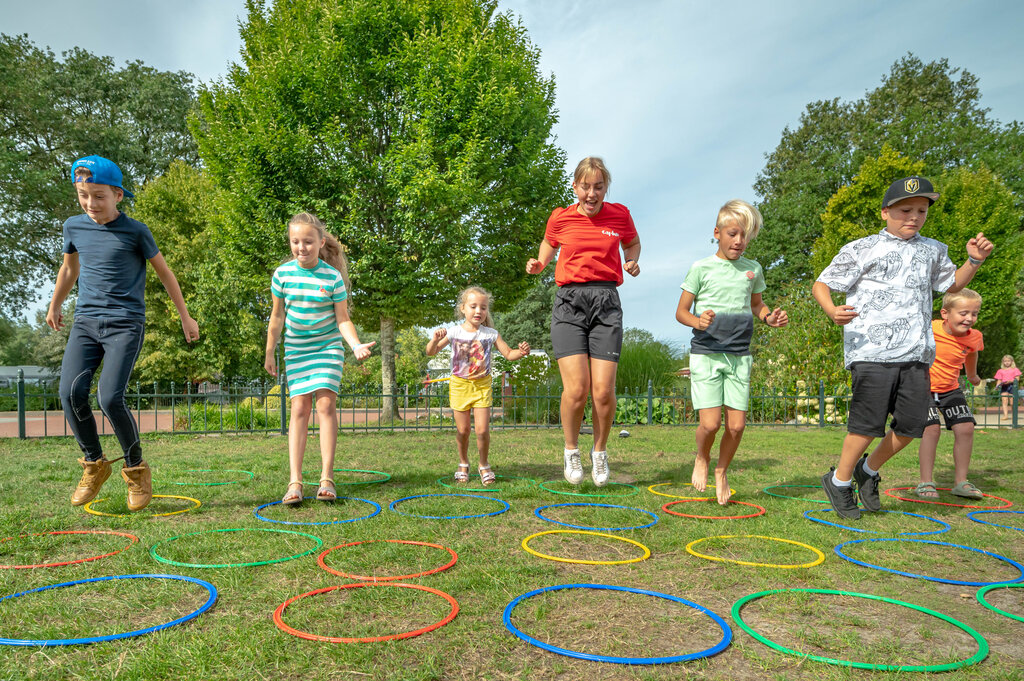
(586, 319)
(882, 389)
(953, 407)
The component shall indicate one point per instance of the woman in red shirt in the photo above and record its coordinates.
(586, 320)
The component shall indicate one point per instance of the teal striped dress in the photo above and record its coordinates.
(313, 349)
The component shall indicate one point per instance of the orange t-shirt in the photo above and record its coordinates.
(950, 353)
(590, 246)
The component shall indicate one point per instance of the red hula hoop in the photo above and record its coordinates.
(134, 540)
(363, 578)
(369, 639)
(1007, 502)
(760, 510)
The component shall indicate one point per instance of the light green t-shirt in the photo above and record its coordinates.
(724, 286)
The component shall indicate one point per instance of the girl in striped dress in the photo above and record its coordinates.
(310, 306)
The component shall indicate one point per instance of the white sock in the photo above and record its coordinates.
(868, 470)
(839, 483)
(605, 452)
(570, 451)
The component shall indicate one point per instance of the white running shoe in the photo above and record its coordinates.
(573, 471)
(600, 470)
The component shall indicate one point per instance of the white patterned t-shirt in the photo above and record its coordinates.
(889, 282)
(471, 351)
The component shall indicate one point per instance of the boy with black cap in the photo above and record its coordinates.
(106, 251)
(888, 343)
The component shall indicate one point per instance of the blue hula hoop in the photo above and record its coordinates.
(210, 588)
(945, 526)
(1020, 568)
(505, 507)
(713, 650)
(537, 512)
(985, 522)
(376, 510)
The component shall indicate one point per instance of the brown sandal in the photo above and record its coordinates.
(293, 496)
(327, 491)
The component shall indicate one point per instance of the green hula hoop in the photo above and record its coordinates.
(783, 496)
(634, 490)
(215, 470)
(984, 590)
(462, 486)
(161, 559)
(387, 476)
(974, 659)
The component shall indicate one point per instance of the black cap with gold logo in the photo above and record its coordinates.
(907, 188)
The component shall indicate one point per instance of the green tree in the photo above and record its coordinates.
(530, 319)
(926, 111)
(54, 111)
(417, 130)
(16, 346)
(970, 201)
(177, 208)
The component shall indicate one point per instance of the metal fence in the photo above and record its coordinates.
(258, 408)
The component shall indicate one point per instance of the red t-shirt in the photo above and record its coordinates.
(950, 353)
(590, 246)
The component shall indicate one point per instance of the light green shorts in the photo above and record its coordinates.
(720, 379)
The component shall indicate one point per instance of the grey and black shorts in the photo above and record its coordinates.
(587, 320)
(882, 389)
(953, 407)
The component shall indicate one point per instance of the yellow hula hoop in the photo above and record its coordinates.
(526, 547)
(88, 507)
(819, 561)
(676, 496)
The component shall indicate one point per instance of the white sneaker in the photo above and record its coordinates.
(600, 470)
(573, 471)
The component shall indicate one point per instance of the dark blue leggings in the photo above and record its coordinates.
(115, 342)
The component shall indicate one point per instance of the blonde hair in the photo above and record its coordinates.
(1009, 357)
(590, 166)
(461, 300)
(332, 253)
(963, 295)
(743, 214)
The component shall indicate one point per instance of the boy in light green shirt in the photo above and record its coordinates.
(724, 291)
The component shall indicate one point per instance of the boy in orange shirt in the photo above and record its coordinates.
(956, 345)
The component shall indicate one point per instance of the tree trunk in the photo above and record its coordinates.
(389, 409)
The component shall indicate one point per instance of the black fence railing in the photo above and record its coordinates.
(255, 407)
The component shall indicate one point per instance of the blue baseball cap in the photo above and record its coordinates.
(104, 171)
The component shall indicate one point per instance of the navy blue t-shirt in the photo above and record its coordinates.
(112, 260)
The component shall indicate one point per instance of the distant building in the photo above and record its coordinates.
(33, 374)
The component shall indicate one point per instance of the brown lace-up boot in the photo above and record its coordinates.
(140, 485)
(95, 473)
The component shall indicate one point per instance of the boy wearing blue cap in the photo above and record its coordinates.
(888, 279)
(106, 251)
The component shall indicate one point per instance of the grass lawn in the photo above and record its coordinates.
(237, 638)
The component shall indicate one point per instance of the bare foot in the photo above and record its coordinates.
(699, 479)
(722, 487)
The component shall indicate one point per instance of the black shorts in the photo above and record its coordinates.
(882, 389)
(1006, 389)
(586, 319)
(953, 407)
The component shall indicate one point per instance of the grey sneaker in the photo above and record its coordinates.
(841, 498)
(867, 486)
(573, 470)
(599, 471)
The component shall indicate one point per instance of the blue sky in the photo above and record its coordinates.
(682, 99)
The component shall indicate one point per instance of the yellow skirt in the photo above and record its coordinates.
(464, 394)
